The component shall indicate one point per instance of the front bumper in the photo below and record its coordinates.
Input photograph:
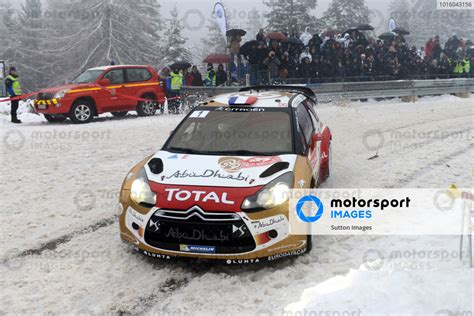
(230, 238)
(52, 106)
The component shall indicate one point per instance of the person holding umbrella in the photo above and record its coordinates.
(13, 86)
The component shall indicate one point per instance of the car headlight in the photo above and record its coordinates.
(272, 195)
(141, 192)
(60, 94)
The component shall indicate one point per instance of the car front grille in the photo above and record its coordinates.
(226, 232)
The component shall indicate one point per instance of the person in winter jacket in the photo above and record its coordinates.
(13, 86)
(306, 37)
(272, 62)
(210, 76)
(173, 90)
(306, 54)
(196, 77)
(221, 75)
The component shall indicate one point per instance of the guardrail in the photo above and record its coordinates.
(327, 92)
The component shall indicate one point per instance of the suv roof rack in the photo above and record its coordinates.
(308, 92)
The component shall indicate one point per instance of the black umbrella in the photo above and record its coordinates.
(294, 41)
(387, 36)
(401, 31)
(180, 65)
(236, 32)
(365, 27)
(247, 47)
(349, 31)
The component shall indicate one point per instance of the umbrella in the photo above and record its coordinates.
(329, 33)
(294, 41)
(387, 36)
(236, 32)
(349, 31)
(247, 47)
(401, 31)
(279, 36)
(180, 65)
(365, 27)
(217, 59)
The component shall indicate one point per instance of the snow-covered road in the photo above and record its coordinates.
(61, 253)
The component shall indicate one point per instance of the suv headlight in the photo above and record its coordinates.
(141, 192)
(60, 94)
(272, 195)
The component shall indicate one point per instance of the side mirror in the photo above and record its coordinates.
(104, 82)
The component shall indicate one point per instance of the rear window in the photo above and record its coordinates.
(138, 74)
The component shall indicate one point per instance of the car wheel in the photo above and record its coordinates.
(309, 243)
(119, 114)
(55, 118)
(147, 108)
(82, 112)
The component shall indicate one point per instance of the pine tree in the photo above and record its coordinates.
(216, 42)
(255, 22)
(289, 15)
(174, 48)
(98, 31)
(428, 21)
(343, 14)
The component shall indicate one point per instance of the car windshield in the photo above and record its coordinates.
(234, 131)
(88, 77)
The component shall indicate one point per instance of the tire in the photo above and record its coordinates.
(147, 108)
(82, 112)
(309, 243)
(55, 118)
(119, 114)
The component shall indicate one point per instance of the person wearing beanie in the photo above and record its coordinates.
(13, 86)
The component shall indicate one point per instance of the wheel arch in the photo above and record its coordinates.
(87, 99)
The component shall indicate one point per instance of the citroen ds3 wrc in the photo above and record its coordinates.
(218, 189)
(114, 89)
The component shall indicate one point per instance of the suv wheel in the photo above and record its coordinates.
(147, 108)
(55, 118)
(82, 112)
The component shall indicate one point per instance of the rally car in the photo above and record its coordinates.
(114, 89)
(218, 189)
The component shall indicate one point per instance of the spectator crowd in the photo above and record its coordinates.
(332, 57)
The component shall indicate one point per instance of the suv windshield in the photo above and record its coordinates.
(88, 77)
(234, 131)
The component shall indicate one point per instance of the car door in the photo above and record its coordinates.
(113, 92)
(310, 135)
(137, 79)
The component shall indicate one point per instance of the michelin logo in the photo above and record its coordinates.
(197, 249)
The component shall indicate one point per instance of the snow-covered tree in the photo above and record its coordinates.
(343, 14)
(400, 10)
(255, 22)
(289, 15)
(174, 48)
(428, 21)
(215, 41)
(94, 32)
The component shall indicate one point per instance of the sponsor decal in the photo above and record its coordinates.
(135, 216)
(155, 225)
(197, 196)
(242, 261)
(234, 164)
(207, 175)
(287, 254)
(231, 109)
(268, 222)
(197, 249)
(196, 235)
(238, 231)
(292, 246)
(154, 255)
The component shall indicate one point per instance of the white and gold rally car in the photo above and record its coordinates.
(218, 189)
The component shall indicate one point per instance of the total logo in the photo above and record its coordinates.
(198, 196)
(313, 200)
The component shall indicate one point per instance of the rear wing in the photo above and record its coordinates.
(307, 92)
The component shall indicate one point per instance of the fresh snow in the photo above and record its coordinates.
(60, 250)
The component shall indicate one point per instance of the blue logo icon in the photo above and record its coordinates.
(311, 199)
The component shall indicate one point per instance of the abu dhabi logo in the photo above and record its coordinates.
(313, 200)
